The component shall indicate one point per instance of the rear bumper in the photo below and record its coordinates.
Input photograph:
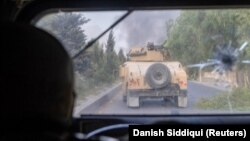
(164, 92)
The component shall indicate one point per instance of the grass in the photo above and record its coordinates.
(239, 99)
(85, 87)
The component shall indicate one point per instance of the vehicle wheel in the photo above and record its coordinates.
(158, 76)
(181, 100)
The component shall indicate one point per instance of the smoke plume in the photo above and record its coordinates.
(147, 26)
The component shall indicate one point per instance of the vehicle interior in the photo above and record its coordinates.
(98, 36)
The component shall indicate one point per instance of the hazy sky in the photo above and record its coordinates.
(138, 28)
(99, 21)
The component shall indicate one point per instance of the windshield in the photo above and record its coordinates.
(157, 61)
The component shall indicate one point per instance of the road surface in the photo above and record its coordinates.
(196, 91)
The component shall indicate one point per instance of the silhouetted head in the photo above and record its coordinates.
(36, 82)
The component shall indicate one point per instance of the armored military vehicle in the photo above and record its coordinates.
(148, 72)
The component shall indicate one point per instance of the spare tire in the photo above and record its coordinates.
(158, 76)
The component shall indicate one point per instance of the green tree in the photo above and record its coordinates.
(111, 67)
(110, 43)
(103, 66)
(67, 28)
(121, 56)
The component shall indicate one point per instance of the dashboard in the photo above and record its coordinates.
(117, 127)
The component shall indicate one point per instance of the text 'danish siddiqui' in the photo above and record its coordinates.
(208, 133)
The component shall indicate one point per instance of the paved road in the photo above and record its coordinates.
(196, 91)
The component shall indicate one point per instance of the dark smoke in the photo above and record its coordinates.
(147, 26)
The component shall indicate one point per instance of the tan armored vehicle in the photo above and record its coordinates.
(148, 73)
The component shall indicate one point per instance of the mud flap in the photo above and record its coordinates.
(133, 101)
(181, 101)
(124, 98)
(124, 93)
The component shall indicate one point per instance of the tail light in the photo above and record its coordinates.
(182, 83)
